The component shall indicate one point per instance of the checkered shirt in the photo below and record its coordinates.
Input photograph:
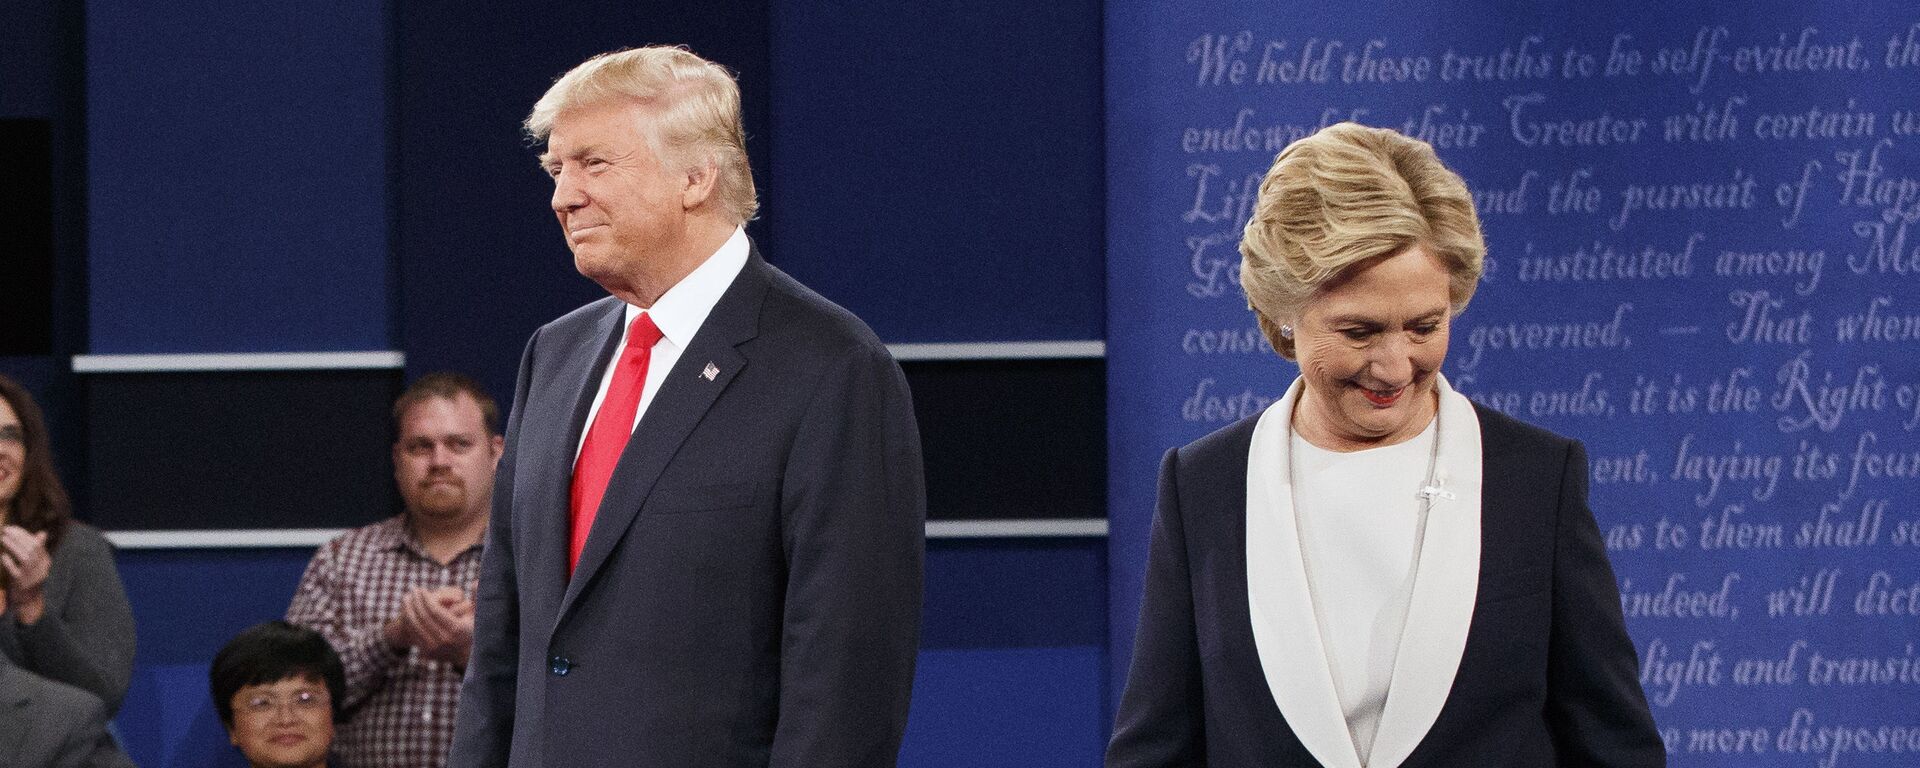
(400, 707)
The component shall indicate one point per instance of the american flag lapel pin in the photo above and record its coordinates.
(710, 371)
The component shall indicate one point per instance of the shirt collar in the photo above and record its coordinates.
(680, 311)
(394, 533)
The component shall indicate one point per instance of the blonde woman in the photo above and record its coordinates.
(1375, 571)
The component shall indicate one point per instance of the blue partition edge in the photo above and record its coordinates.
(1011, 671)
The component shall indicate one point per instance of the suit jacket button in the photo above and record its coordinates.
(559, 665)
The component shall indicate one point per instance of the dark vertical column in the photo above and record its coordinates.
(26, 230)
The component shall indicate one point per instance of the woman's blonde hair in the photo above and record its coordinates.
(1344, 195)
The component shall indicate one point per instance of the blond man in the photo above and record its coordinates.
(706, 543)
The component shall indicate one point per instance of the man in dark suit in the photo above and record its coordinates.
(706, 545)
(47, 723)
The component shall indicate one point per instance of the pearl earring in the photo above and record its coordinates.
(1286, 331)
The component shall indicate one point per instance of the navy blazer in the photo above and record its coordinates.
(749, 594)
(1547, 677)
(48, 724)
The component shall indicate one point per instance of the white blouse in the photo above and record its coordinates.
(1359, 522)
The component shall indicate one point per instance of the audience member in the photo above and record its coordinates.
(55, 725)
(278, 689)
(63, 613)
(395, 597)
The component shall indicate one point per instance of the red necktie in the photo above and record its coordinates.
(612, 425)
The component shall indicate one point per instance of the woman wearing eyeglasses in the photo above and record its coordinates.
(63, 613)
(278, 689)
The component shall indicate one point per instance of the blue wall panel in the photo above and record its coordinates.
(1014, 593)
(938, 166)
(237, 159)
(1011, 670)
(1007, 708)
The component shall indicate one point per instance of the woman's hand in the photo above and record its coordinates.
(25, 558)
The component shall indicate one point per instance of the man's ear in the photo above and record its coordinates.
(701, 180)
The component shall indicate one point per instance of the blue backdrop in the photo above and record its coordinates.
(1699, 264)
(239, 179)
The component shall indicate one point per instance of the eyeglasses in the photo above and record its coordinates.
(301, 701)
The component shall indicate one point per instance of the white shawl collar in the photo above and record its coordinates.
(1285, 631)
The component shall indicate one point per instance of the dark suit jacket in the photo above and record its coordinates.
(749, 594)
(47, 724)
(1547, 677)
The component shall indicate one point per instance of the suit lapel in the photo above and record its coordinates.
(683, 400)
(1445, 584)
(1285, 631)
(582, 361)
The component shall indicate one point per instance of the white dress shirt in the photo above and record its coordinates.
(678, 314)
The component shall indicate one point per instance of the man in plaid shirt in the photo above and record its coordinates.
(395, 598)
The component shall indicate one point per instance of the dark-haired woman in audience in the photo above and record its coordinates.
(279, 689)
(63, 613)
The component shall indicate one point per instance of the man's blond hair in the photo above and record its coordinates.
(694, 106)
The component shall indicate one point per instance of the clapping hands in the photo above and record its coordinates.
(437, 621)
(24, 558)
